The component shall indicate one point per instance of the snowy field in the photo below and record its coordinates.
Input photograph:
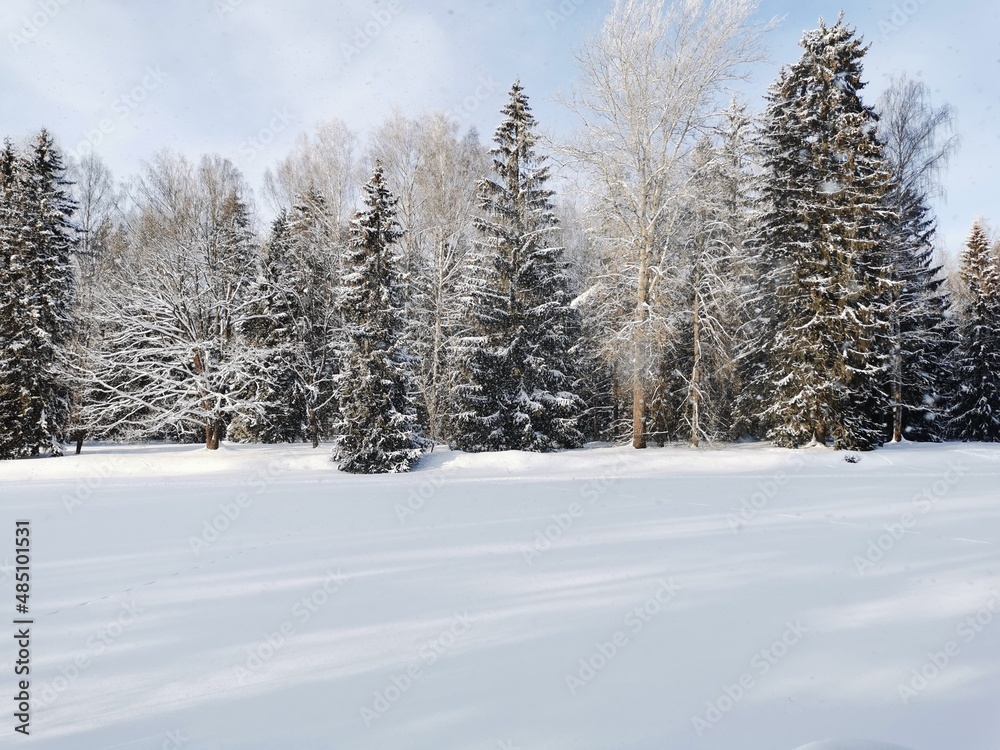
(745, 598)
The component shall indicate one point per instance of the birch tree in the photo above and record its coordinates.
(651, 86)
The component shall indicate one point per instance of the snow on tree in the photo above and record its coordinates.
(823, 234)
(169, 352)
(293, 322)
(650, 91)
(436, 174)
(917, 144)
(377, 431)
(37, 285)
(515, 370)
(712, 291)
(975, 413)
(270, 378)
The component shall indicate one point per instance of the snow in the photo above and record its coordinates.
(465, 595)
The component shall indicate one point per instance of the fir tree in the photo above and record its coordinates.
(270, 378)
(38, 281)
(823, 237)
(920, 378)
(294, 328)
(975, 414)
(377, 426)
(514, 388)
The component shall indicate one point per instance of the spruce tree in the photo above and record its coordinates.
(975, 414)
(823, 237)
(377, 427)
(38, 280)
(920, 378)
(514, 388)
(269, 379)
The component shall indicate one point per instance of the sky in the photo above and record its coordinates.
(243, 77)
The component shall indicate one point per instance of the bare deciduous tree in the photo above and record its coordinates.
(651, 85)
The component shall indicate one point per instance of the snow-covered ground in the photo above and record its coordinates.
(745, 598)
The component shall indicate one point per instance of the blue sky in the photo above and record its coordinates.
(243, 77)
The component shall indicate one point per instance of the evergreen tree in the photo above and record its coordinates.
(377, 427)
(823, 237)
(923, 334)
(917, 144)
(38, 281)
(975, 414)
(269, 379)
(514, 388)
(294, 328)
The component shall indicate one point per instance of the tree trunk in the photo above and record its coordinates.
(213, 435)
(313, 428)
(695, 386)
(638, 372)
(79, 441)
(897, 392)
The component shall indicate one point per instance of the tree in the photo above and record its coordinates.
(823, 234)
(377, 429)
(650, 90)
(975, 414)
(169, 352)
(271, 379)
(37, 239)
(712, 280)
(917, 143)
(515, 367)
(98, 204)
(436, 173)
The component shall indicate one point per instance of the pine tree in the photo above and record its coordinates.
(823, 235)
(514, 388)
(377, 428)
(975, 414)
(39, 282)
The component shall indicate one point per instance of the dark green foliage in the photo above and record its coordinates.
(36, 294)
(514, 385)
(377, 428)
(975, 414)
(824, 240)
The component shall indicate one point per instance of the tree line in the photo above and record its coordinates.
(707, 275)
